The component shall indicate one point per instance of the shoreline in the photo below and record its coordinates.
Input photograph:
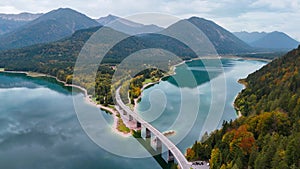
(35, 75)
(244, 84)
(113, 112)
(87, 98)
(245, 58)
(136, 100)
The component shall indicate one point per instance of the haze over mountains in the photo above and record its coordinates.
(127, 26)
(10, 22)
(249, 37)
(25, 16)
(273, 40)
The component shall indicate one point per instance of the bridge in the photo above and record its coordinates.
(161, 139)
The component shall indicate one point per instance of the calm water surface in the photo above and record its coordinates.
(161, 104)
(39, 129)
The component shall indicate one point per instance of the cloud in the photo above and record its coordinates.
(277, 5)
(9, 9)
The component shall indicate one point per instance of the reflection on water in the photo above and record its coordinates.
(163, 116)
(17, 80)
(39, 129)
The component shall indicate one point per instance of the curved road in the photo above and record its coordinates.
(180, 158)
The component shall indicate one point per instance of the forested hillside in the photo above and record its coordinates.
(47, 58)
(268, 134)
(274, 87)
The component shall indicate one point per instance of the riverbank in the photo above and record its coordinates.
(244, 83)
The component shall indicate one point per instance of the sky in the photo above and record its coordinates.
(234, 15)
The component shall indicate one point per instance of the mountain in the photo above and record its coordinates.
(20, 17)
(249, 37)
(275, 40)
(47, 58)
(7, 26)
(107, 19)
(49, 27)
(224, 41)
(127, 26)
(268, 133)
(10, 22)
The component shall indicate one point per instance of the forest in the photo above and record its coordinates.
(267, 135)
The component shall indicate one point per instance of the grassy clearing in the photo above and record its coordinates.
(122, 127)
(147, 81)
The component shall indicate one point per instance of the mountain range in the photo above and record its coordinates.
(26, 29)
(53, 56)
(273, 40)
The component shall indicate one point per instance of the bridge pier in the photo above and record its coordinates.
(130, 117)
(170, 157)
(138, 124)
(158, 146)
(124, 112)
(148, 133)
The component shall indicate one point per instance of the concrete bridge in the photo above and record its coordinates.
(173, 151)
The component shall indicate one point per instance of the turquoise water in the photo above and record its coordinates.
(168, 101)
(39, 127)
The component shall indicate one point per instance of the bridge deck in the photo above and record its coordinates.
(183, 163)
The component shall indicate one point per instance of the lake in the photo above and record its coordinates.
(39, 127)
(168, 103)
